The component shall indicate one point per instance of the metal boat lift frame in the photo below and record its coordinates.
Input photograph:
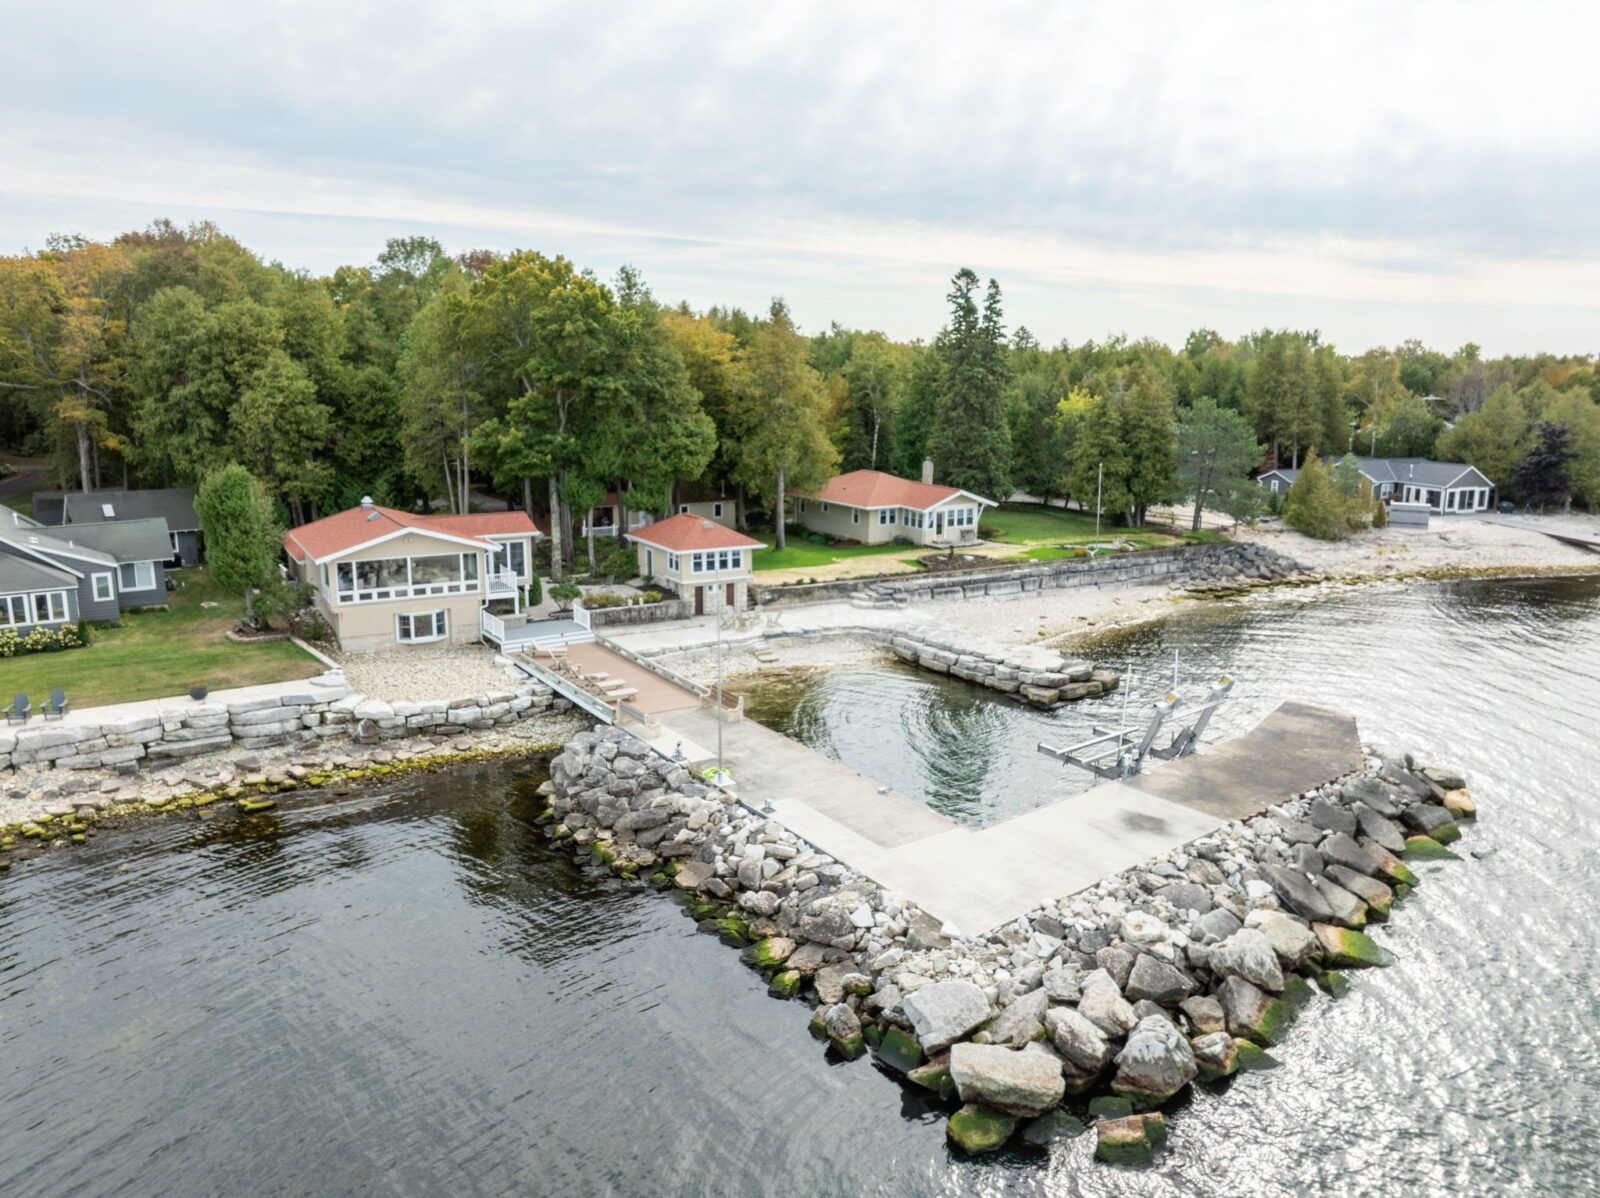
(1120, 752)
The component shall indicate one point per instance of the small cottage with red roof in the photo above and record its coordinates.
(874, 508)
(705, 563)
(384, 578)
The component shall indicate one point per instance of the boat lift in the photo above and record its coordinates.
(1120, 752)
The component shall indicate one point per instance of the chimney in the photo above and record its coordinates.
(927, 471)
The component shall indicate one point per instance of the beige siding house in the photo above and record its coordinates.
(874, 508)
(703, 562)
(385, 579)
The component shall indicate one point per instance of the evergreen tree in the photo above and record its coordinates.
(1314, 505)
(1149, 436)
(242, 539)
(1100, 465)
(874, 377)
(1217, 449)
(971, 441)
(918, 414)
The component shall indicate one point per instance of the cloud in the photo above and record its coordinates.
(1427, 156)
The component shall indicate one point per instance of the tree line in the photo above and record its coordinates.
(161, 356)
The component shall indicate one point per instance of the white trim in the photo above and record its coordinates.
(441, 626)
(138, 583)
(43, 555)
(475, 542)
(637, 539)
(111, 587)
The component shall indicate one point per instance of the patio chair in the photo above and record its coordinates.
(57, 707)
(17, 713)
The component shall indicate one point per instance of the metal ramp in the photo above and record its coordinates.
(1120, 752)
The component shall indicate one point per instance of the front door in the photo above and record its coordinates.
(727, 595)
(699, 601)
(938, 524)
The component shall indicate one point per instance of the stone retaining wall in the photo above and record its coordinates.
(326, 709)
(1041, 676)
(1232, 560)
(638, 613)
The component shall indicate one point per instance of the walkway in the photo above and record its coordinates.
(977, 879)
(1581, 540)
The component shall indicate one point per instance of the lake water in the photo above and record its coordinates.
(407, 992)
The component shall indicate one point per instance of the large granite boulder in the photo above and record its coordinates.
(1248, 954)
(1154, 1064)
(1157, 981)
(1078, 1039)
(1019, 1083)
(1293, 941)
(1102, 1004)
(1020, 1022)
(943, 1012)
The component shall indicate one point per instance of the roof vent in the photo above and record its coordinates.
(706, 524)
(366, 503)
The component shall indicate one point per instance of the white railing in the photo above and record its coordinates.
(503, 583)
(580, 616)
(492, 626)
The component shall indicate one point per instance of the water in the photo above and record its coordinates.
(408, 993)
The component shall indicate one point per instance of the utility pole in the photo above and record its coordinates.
(720, 709)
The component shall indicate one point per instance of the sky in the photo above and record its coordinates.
(1376, 171)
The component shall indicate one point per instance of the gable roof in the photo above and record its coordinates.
(49, 507)
(356, 527)
(120, 540)
(686, 532)
(175, 505)
(1420, 472)
(875, 489)
(20, 574)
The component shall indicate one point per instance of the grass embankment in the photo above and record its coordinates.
(155, 654)
(1051, 532)
(801, 554)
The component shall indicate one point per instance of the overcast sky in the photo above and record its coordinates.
(1376, 171)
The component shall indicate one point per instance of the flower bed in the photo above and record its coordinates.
(40, 640)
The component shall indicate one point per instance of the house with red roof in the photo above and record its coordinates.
(703, 562)
(384, 578)
(874, 508)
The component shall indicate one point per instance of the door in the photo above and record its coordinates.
(938, 524)
(727, 597)
(699, 601)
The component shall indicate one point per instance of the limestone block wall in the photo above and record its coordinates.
(326, 709)
(1038, 675)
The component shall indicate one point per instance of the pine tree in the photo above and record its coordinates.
(1543, 479)
(1149, 436)
(241, 535)
(971, 441)
(1217, 449)
(1314, 505)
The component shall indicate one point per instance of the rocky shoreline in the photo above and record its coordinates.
(1094, 1011)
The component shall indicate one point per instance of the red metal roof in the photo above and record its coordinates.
(874, 488)
(687, 531)
(357, 526)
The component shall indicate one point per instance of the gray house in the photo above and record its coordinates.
(33, 594)
(113, 566)
(175, 505)
(1446, 488)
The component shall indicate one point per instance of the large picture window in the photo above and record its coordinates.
(137, 576)
(43, 607)
(416, 628)
(406, 577)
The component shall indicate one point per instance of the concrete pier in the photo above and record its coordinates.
(977, 879)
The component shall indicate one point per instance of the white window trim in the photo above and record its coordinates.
(110, 585)
(144, 576)
(404, 623)
(25, 601)
(683, 509)
(412, 590)
(855, 515)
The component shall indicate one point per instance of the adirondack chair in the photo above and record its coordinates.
(17, 713)
(57, 707)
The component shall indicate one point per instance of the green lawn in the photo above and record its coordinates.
(154, 654)
(1035, 524)
(801, 554)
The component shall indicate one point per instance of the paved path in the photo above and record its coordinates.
(980, 878)
(1566, 535)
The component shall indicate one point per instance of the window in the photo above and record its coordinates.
(407, 577)
(725, 559)
(510, 557)
(672, 562)
(716, 511)
(855, 515)
(683, 508)
(43, 607)
(1274, 485)
(415, 628)
(176, 558)
(103, 591)
(137, 576)
(824, 507)
(802, 507)
(649, 563)
(886, 515)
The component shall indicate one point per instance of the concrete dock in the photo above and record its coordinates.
(977, 879)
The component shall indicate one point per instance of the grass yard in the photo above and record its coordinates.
(1037, 525)
(801, 554)
(155, 654)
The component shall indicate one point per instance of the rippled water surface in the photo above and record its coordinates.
(408, 993)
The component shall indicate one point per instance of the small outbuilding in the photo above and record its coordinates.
(703, 562)
(875, 508)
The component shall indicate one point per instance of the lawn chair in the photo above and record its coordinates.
(57, 707)
(17, 713)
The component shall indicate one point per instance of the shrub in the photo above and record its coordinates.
(598, 600)
(564, 593)
(535, 591)
(85, 635)
(648, 597)
(1380, 514)
(39, 640)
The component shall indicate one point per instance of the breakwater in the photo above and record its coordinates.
(1095, 1010)
(1040, 676)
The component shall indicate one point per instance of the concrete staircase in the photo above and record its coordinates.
(876, 594)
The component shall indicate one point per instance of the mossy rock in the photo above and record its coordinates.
(1253, 1058)
(1052, 1126)
(5, 864)
(1296, 991)
(1343, 948)
(762, 955)
(1401, 889)
(205, 800)
(785, 983)
(978, 1129)
(602, 852)
(43, 820)
(872, 1034)
(1333, 983)
(1426, 848)
(1460, 804)
(1131, 1140)
(818, 1027)
(732, 930)
(252, 806)
(849, 1047)
(899, 1050)
(934, 1075)
(1110, 1106)
(7, 843)
(79, 838)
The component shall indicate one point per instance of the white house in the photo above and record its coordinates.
(1446, 487)
(874, 508)
(706, 563)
